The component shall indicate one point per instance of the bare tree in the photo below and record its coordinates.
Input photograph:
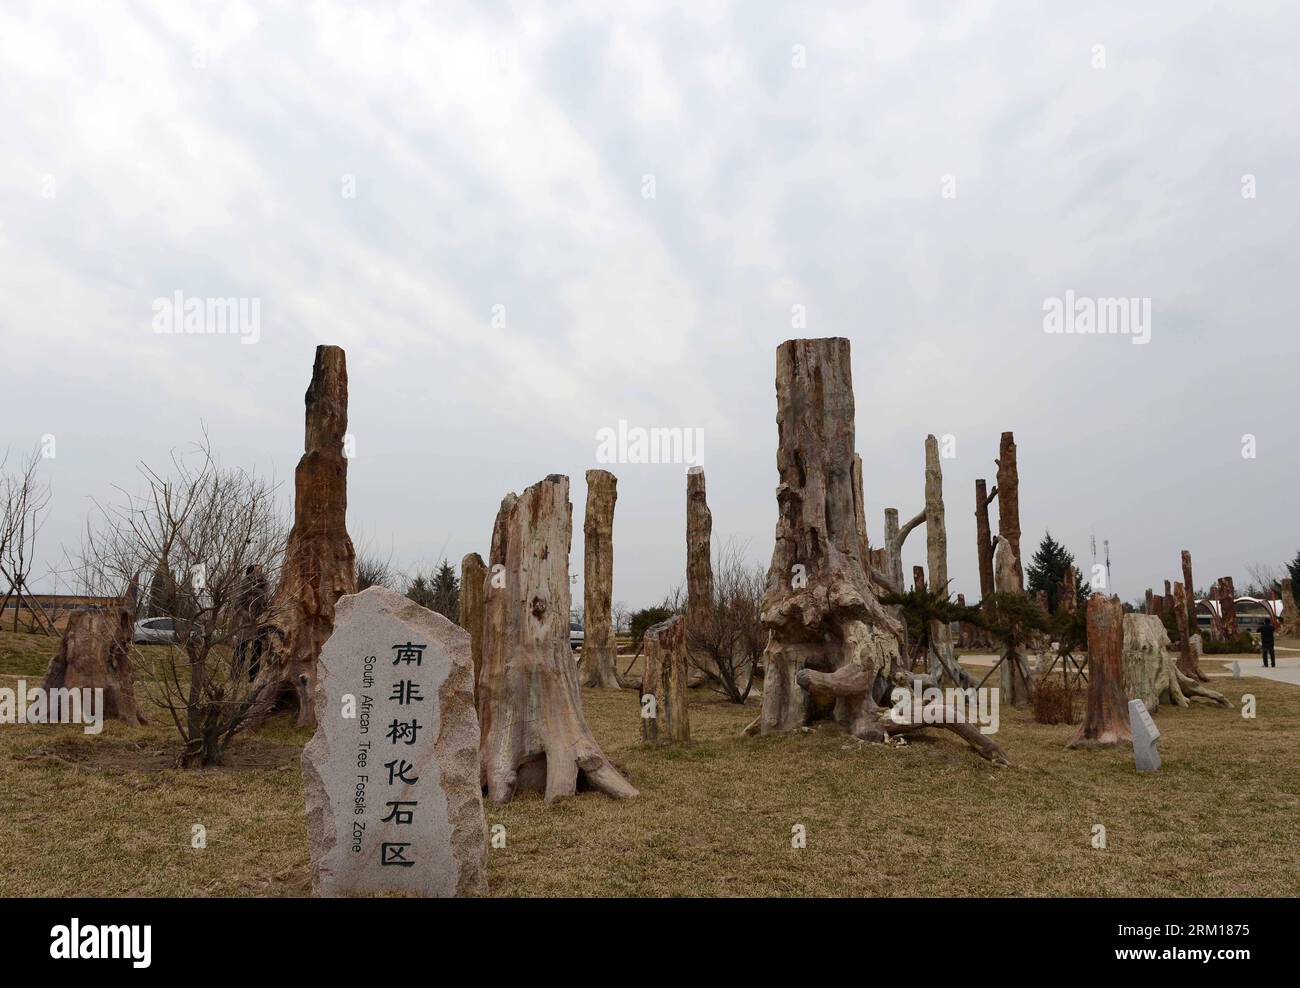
(728, 638)
(1265, 578)
(23, 499)
(374, 570)
(213, 539)
(622, 614)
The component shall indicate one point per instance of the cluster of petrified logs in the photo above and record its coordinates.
(834, 651)
(1128, 657)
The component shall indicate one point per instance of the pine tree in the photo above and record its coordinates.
(445, 591)
(438, 592)
(1293, 571)
(1048, 569)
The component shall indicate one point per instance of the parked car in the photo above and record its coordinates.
(157, 631)
(575, 635)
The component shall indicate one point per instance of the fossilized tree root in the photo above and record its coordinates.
(852, 686)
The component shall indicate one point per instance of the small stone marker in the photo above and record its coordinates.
(393, 796)
(1145, 735)
(1236, 669)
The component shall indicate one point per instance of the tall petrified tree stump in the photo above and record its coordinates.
(1190, 589)
(818, 604)
(598, 643)
(983, 536)
(1228, 598)
(1009, 501)
(833, 646)
(895, 536)
(1015, 680)
(473, 588)
(95, 653)
(319, 561)
(1067, 596)
(534, 734)
(699, 570)
(936, 544)
(1106, 721)
(664, 713)
(860, 512)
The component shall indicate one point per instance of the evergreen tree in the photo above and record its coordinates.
(1048, 569)
(446, 591)
(440, 592)
(1293, 571)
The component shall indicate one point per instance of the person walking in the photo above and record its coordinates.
(1266, 644)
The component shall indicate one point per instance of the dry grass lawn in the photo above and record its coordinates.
(107, 816)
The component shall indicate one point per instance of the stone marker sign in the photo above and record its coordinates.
(1145, 735)
(392, 775)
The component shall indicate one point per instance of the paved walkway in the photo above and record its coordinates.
(1287, 670)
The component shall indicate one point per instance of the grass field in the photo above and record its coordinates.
(107, 816)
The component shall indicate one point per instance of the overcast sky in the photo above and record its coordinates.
(918, 177)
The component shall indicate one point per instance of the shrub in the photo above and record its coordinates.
(1229, 646)
(1053, 703)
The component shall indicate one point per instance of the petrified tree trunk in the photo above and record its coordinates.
(860, 511)
(664, 714)
(894, 539)
(1186, 660)
(1009, 501)
(936, 541)
(1289, 623)
(473, 590)
(818, 605)
(1006, 570)
(1106, 721)
(699, 571)
(832, 646)
(1228, 597)
(983, 536)
(1149, 671)
(1190, 588)
(95, 653)
(1150, 606)
(1067, 597)
(319, 561)
(893, 566)
(598, 646)
(1015, 680)
(534, 734)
